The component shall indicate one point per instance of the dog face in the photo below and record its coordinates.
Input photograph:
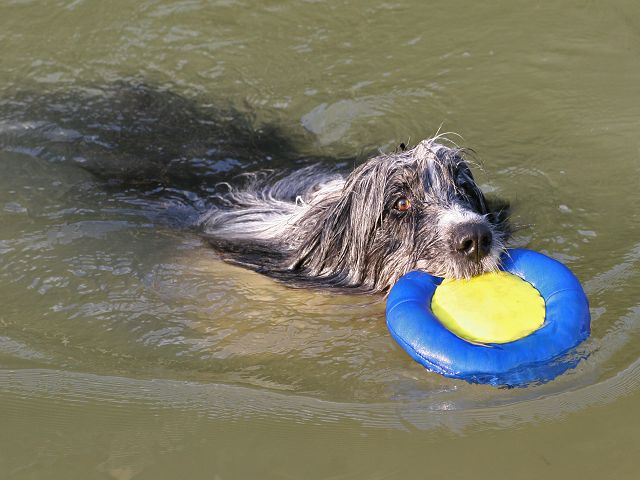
(417, 209)
(443, 215)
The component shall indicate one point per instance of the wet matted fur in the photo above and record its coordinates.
(413, 209)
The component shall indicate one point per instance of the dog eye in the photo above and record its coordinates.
(402, 204)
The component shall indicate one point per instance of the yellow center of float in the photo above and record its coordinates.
(494, 307)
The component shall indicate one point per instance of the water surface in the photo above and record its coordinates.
(128, 349)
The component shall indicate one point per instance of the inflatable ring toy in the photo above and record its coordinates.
(528, 342)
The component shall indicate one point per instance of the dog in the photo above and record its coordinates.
(416, 209)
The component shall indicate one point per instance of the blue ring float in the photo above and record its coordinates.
(537, 358)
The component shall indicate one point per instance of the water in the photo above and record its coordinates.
(129, 350)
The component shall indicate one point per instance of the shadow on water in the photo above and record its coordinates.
(134, 135)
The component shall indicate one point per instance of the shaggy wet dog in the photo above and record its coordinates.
(419, 208)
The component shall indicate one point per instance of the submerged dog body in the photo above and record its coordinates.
(415, 209)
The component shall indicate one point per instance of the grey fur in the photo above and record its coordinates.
(316, 227)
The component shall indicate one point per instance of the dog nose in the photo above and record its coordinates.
(473, 240)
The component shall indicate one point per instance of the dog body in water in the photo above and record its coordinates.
(415, 209)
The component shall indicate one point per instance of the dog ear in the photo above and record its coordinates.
(340, 239)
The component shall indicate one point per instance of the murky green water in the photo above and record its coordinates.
(129, 350)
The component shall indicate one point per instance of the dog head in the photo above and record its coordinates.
(415, 209)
